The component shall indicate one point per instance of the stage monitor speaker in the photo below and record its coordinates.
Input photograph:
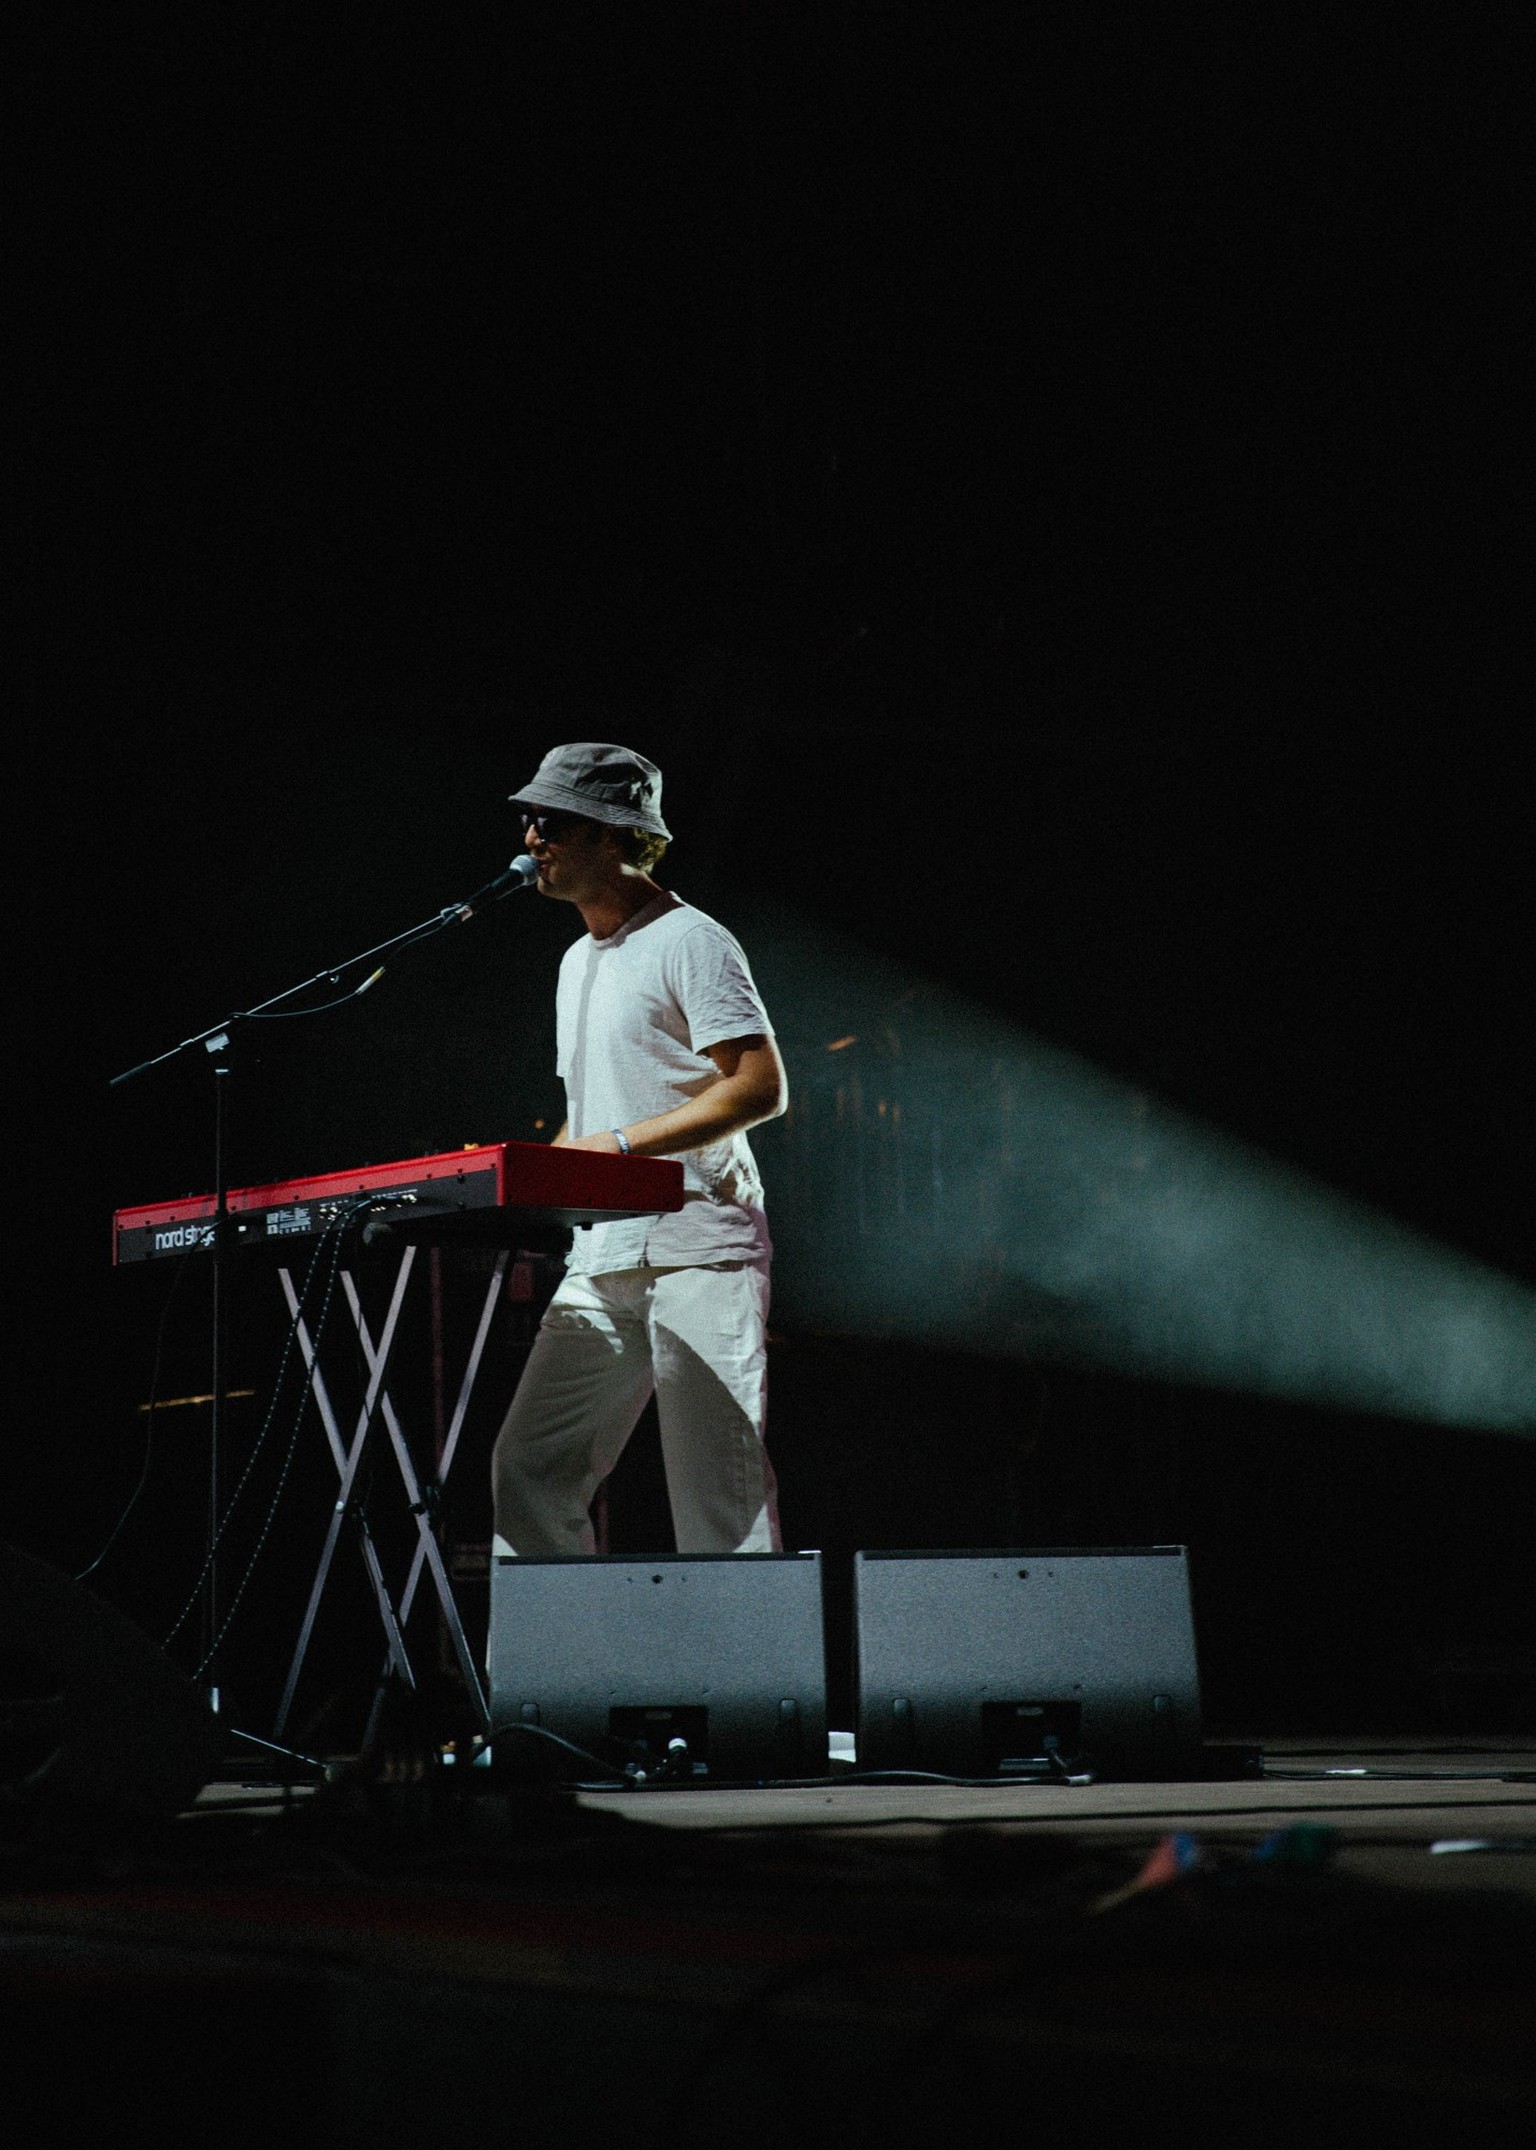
(1027, 1663)
(690, 1668)
(97, 1726)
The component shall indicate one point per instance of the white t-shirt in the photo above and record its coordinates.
(634, 1016)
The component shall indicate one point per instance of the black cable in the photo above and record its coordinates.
(628, 1781)
(935, 1776)
(556, 1739)
(291, 1015)
(277, 1387)
(149, 1418)
(623, 1779)
(337, 1226)
(333, 1231)
(862, 1776)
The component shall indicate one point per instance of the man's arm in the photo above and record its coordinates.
(752, 1088)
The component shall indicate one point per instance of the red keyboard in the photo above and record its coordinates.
(490, 1194)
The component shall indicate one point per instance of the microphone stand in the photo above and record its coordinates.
(217, 1041)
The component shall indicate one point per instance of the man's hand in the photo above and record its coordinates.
(606, 1142)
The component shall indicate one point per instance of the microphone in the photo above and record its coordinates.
(522, 873)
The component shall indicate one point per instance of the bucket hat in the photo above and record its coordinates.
(601, 782)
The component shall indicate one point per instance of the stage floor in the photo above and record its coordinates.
(1371, 1794)
(1345, 1942)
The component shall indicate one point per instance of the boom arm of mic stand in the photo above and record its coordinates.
(450, 914)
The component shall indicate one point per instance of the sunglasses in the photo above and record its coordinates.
(550, 827)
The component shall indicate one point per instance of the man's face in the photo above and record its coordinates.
(573, 855)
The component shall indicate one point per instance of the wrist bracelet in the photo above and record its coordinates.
(618, 1136)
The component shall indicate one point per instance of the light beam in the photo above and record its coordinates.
(946, 1177)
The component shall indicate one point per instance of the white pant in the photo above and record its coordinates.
(698, 1338)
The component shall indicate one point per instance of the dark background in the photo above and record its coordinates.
(1050, 486)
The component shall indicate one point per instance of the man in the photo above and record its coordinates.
(665, 1050)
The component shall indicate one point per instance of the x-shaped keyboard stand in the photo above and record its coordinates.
(348, 1455)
